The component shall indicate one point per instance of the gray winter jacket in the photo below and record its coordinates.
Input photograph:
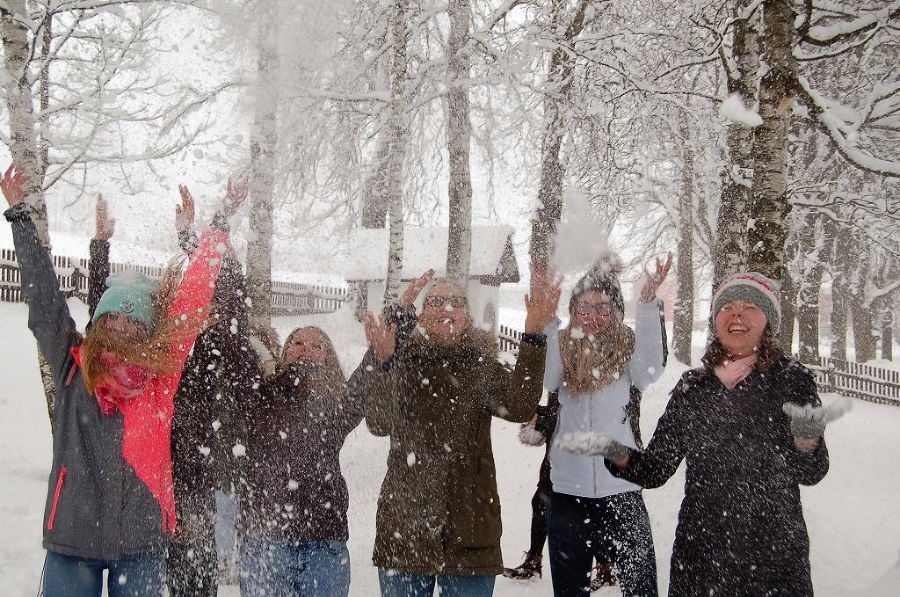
(96, 505)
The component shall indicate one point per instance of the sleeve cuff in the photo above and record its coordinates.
(220, 222)
(17, 213)
(538, 340)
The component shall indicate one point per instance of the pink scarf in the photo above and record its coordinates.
(730, 373)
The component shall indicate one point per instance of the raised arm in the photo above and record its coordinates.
(48, 315)
(98, 262)
(649, 357)
(377, 385)
(516, 398)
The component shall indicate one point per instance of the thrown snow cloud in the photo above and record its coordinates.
(580, 238)
(733, 109)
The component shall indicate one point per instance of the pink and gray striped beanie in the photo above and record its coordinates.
(754, 288)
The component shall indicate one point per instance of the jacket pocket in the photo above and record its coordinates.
(475, 507)
(59, 485)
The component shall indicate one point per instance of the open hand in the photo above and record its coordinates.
(654, 280)
(543, 300)
(13, 185)
(184, 213)
(105, 225)
(235, 195)
(382, 338)
(414, 288)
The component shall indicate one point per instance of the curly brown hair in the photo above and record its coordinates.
(768, 351)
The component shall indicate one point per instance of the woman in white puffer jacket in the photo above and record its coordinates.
(593, 363)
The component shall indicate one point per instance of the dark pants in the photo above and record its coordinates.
(539, 505)
(134, 576)
(192, 567)
(618, 525)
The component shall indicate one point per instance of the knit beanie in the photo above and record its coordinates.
(602, 277)
(129, 293)
(754, 288)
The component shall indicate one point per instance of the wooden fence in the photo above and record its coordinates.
(288, 298)
(856, 380)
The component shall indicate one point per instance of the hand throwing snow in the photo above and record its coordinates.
(13, 185)
(543, 301)
(589, 443)
(382, 338)
(808, 421)
(106, 225)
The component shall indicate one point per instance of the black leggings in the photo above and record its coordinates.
(617, 525)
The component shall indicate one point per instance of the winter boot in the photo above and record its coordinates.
(526, 570)
(603, 577)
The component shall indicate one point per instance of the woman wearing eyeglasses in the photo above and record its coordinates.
(434, 395)
(594, 363)
(294, 500)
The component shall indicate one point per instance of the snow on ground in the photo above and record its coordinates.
(853, 517)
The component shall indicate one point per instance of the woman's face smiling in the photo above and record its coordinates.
(593, 312)
(739, 327)
(444, 317)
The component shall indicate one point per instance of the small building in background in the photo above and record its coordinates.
(493, 263)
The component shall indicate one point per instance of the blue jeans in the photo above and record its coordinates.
(275, 568)
(405, 584)
(135, 576)
(618, 525)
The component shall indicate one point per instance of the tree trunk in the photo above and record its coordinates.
(23, 145)
(683, 326)
(556, 102)
(374, 206)
(788, 300)
(864, 339)
(731, 252)
(398, 134)
(887, 334)
(770, 206)
(840, 300)
(459, 136)
(263, 141)
(809, 285)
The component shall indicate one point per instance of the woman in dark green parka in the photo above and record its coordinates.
(438, 519)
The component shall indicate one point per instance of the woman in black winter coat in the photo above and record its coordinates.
(749, 425)
(294, 500)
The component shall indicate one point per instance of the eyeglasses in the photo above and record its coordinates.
(598, 308)
(440, 301)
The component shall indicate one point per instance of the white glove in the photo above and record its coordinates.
(530, 436)
(593, 444)
(808, 421)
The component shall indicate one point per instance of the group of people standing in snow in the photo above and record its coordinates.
(171, 377)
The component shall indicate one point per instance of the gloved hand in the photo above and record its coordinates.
(593, 444)
(530, 436)
(808, 421)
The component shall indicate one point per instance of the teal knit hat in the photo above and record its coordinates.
(129, 293)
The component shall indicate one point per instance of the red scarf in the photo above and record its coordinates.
(146, 442)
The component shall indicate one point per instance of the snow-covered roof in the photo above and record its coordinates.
(425, 248)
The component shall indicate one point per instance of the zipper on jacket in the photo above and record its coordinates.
(59, 486)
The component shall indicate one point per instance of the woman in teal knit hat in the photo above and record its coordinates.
(110, 503)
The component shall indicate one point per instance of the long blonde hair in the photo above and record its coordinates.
(151, 350)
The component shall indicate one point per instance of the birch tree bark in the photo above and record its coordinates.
(731, 252)
(770, 206)
(23, 144)
(683, 326)
(263, 141)
(459, 137)
(398, 133)
(557, 100)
